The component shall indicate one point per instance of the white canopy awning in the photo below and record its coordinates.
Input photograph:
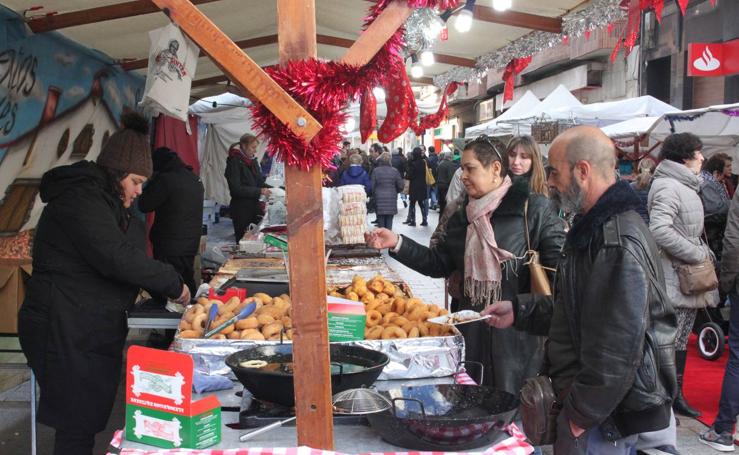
(493, 127)
(606, 113)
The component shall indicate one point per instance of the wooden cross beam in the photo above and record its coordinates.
(239, 67)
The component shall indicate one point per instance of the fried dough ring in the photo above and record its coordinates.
(371, 305)
(389, 316)
(191, 334)
(388, 288)
(400, 321)
(235, 335)
(416, 314)
(184, 325)
(266, 300)
(227, 330)
(199, 322)
(374, 332)
(385, 308)
(265, 319)
(271, 330)
(252, 334)
(393, 331)
(219, 336)
(248, 323)
(399, 305)
(374, 317)
(423, 328)
(414, 332)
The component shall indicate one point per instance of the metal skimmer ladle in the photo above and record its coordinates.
(349, 402)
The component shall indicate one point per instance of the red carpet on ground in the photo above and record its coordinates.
(702, 381)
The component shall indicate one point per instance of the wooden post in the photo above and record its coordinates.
(296, 30)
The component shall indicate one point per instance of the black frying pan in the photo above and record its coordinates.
(447, 417)
(352, 367)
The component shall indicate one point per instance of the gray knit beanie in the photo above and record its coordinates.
(128, 149)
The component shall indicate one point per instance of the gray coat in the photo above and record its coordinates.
(386, 184)
(730, 262)
(676, 222)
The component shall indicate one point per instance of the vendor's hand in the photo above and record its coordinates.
(184, 297)
(265, 191)
(381, 238)
(575, 430)
(501, 314)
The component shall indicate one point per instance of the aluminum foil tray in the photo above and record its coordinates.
(411, 358)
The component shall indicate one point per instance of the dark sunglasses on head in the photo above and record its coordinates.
(493, 143)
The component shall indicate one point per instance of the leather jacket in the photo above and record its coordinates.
(611, 327)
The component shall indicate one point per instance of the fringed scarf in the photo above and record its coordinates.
(483, 259)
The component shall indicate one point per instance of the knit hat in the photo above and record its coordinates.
(128, 149)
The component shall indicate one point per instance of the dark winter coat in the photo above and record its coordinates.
(445, 172)
(416, 173)
(176, 195)
(398, 161)
(89, 262)
(433, 162)
(509, 356)
(356, 175)
(643, 194)
(611, 325)
(245, 182)
(386, 184)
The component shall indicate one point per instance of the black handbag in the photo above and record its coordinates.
(539, 410)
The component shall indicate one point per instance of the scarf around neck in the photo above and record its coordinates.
(482, 260)
(236, 152)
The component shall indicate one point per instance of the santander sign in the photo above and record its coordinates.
(713, 59)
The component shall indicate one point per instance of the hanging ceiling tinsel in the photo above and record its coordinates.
(599, 14)
(417, 27)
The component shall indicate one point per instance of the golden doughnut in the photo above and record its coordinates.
(191, 313)
(435, 330)
(264, 319)
(287, 322)
(387, 317)
(417, 313)
(410, 325)
(433, 311)
(271, 330)
(371, 305)
(276, 338)
(218, 336)
(226, 330)
(252, 334)
(361, 290)
(443, 312)
(352, 296)
(423, 328)
(273, 311)
(367, 297)
(282, 306)
(385, 308)
(374, 332)
(191, 334)
(373, 318)
(203, 301)
(286, 298)
(375, 286)
(388, 288)
(235, 335)
(199, 322)
(399, 305)
(382, 297)
(226, 307)
(414, 333)
(221, 319)
(289, 334)
(400, 321)
(393, 331)
(247, 323)
(267, 300)
(184, 325)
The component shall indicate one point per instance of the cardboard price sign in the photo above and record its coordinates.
(159, 406)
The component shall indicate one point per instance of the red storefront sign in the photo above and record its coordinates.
(713, 59)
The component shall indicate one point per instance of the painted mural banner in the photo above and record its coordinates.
(59, 101)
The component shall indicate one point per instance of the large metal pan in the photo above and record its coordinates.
(445, 417)
(352, 367)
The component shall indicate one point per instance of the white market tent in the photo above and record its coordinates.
(497, 126)
(629, 128)
(610, 112)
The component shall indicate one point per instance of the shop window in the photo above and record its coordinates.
(63, 143)
(16, 206)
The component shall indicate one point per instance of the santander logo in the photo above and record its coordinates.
(706, 62)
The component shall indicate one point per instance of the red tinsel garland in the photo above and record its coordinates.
(324, 89)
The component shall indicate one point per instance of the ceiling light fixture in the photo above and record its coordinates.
(350, 124)
(434, 28)
(502, 5)
(427, 58)
(416, 68)
(463, 21)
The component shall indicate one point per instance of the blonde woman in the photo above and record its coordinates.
(525, 161)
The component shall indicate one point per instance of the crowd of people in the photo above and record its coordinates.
(612, 337)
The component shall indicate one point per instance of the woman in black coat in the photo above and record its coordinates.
(386, 184)
(89, 261)
(484, 242)
(418, 190)
(246, 184)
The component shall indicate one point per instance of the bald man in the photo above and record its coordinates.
(611, 329)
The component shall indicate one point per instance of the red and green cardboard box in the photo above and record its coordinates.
(159, 406)
(346, 319)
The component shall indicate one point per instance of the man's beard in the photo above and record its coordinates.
(570, 200)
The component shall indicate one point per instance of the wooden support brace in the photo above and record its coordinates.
(239, 67)
(372, 39)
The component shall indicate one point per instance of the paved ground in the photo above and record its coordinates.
(15, 388)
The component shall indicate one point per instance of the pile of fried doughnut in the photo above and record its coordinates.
(272, 316)
(390, 314)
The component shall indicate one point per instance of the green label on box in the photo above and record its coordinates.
(345, 327)
(164, 429)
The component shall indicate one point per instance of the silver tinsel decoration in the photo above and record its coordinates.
(600, 13)
(417, 28)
